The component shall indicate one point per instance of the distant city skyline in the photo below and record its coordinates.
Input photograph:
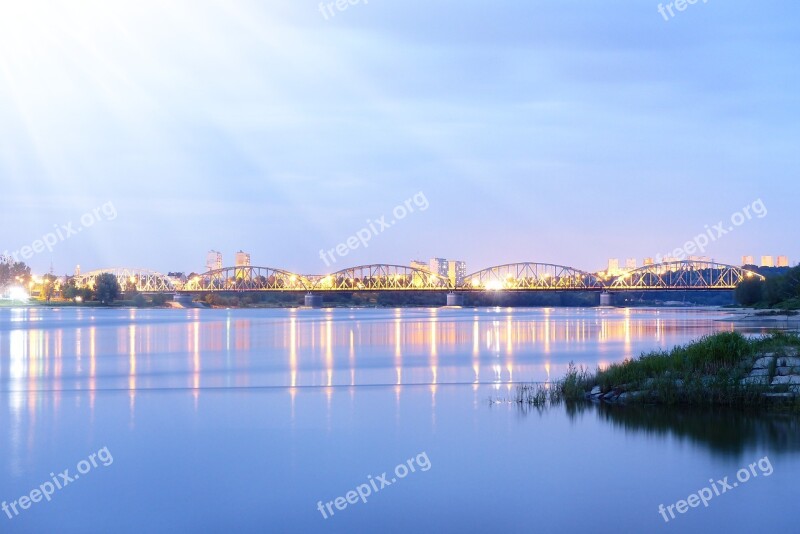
(448, 268)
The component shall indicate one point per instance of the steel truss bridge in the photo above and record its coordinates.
(143, 280)
(527, 276)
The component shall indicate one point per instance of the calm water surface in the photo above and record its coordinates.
(243, 420)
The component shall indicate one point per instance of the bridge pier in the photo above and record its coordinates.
(606, 299)
(313, 301)
(455, 299)
(185, 299)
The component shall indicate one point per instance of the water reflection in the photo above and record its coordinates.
(724, 431)
(200, 349)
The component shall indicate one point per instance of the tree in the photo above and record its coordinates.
(86, 294)
(106, 288)
(776, 290)
(131, 291)
(48, 286)
(12, 272)
(70, 290)
(750, 292)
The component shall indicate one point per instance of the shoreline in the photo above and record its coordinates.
(724, 369)
(767, 316)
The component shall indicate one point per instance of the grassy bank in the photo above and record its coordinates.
(723, 369)
(715, 370)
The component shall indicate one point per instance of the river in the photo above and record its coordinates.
(282, 420)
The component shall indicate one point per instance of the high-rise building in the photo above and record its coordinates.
(418, 264)
(456, 271)
(418, 280)
(613, 266)
(439, 266)
(648, 261)
(242, 259)
(748, 260)
(783, 261)
(213, 260)
(630, 264)
(767, 261)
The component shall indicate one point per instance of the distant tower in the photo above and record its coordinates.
(748, 260)
(418, 280)
(456, 271)
(783, 261)
(77, 270)
(418, 264)
(439, 266)
(242, 259)
(213, 260)
(767, 261)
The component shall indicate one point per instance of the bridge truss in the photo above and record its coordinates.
(381, 277)
(143, 280)
(531, 276)
(528, 276)
(683, 275)
(248, 279)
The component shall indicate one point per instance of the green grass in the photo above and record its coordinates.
(707, 371)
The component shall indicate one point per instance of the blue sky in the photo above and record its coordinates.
(565, 132)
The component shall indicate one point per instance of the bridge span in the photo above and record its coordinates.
(526, 276)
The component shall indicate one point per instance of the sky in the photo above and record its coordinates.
(144, 134)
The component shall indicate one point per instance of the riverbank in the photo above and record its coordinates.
(720, 369)
(724, 369)
(771, 317)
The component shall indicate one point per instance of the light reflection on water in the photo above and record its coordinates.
(134, 349)
(196, 350)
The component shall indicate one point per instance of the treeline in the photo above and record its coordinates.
(107, 291)
(782, 291)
